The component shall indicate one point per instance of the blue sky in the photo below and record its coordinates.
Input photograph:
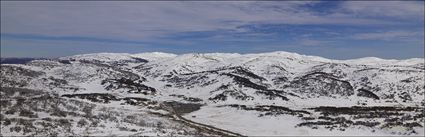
(337, 30)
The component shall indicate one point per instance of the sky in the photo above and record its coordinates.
(331, 29)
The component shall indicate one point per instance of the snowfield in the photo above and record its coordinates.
(213, 94)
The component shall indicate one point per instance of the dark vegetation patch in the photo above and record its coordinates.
(190, 99)
(245, 72)
(245, 82)
(132, 86)
(189, 81)
(9, 73)
(138, 101)
(322, 84)
(201, 78)
(365, 110)
(366, 93)
(27, 113)
(232, 93)
(56, 82)
(280, 80)
(389, 69)
(107, 98)
(183, 108)
(139, 60)
(235, 70)
(271, 110)
(404, 96)
(63, 61)
(11, 70)
(340, 123)
(17, 92)
(270, 93)
(392, 116)
(94, 97)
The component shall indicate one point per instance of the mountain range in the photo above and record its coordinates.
(212, 94)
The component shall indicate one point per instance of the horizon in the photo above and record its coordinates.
(338, 30)
(242, 54)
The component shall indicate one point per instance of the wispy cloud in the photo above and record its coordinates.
(399, 9)
(147, 20)
(68, 38)
(389, 35)
(312, 42)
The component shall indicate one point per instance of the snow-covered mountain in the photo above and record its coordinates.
(277, 93)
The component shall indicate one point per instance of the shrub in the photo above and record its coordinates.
(6, 122)
(82, 123)
(28, 113)
(16, 129)
(58, 112)
(64, 122)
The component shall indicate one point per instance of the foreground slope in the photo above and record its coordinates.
(277, 93)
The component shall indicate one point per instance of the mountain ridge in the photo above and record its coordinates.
(275, 53)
